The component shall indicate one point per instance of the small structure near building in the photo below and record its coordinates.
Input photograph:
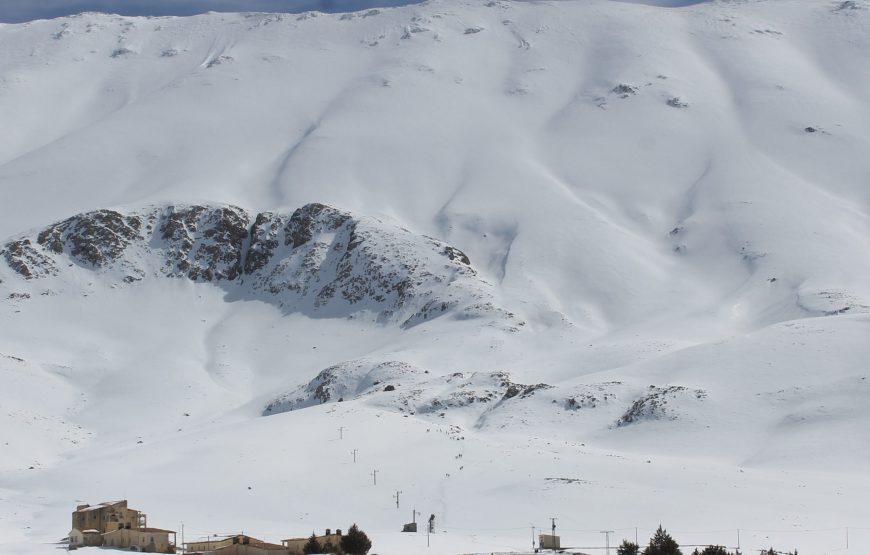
(85, 538)
(549, 541)
(239, 544)
(295, 546)
(410, 527)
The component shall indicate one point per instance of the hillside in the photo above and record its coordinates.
(596, 260)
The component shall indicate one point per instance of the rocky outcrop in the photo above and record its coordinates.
(95, 239)
(27, 261)
(659, 403)
(318, 260)
(204, 243)
(488, 399)
(406, 389)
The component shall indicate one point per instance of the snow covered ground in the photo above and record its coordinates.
(665, 210)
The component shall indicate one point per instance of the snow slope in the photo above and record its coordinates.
(646, 223)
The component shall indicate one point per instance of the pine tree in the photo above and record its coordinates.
(313, 546)
(662, 544)
(714, 550)
(628, 548)
(356, 542)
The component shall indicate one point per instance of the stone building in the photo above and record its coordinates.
(107, 516)
(294, 545)
(148, 540)
(85, 538)
(239, 544)
(114, 524)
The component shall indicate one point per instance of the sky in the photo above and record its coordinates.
(15, 11)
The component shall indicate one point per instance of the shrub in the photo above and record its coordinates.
(712, 550)
(313, 546)
(355, 542)
(662, 544)
(628, 548)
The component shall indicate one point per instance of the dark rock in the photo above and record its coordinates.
(455, 254)
(263, 242)
(94, 238)
(206, 244)
(310, 219)
(22, 257)
(623, 90)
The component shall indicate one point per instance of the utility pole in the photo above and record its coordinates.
(635, 536)
(553, 523)
(607, 541)
(375, 476)
(341, 432)
(847, 537)
(354, 452)
(738, 539)
(397, 498)
(533, 538)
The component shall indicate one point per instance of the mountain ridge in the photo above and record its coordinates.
(317, 259)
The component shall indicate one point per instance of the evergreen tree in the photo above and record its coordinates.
(628, 548)
(355, 542)
(714, 550)
(662, 544)
(313, 546)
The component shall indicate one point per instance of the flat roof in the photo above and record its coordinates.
(154, 530)
(102, 505)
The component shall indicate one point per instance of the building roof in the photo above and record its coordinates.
(254, 542)
(99, 506)
(154, 530)
(306, 538)
(148, 530)
(90, 531)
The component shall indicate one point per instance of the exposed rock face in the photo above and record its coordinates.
(96, 238)
(407, 389)
(486, 399)
(318, 260)
(204, 243)
(659, 403)
(27, 261)
(328, 259)
(346, 381)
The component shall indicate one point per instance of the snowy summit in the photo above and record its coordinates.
(497, 262)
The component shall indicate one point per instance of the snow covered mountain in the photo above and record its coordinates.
(596, 260)
(318, 261)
